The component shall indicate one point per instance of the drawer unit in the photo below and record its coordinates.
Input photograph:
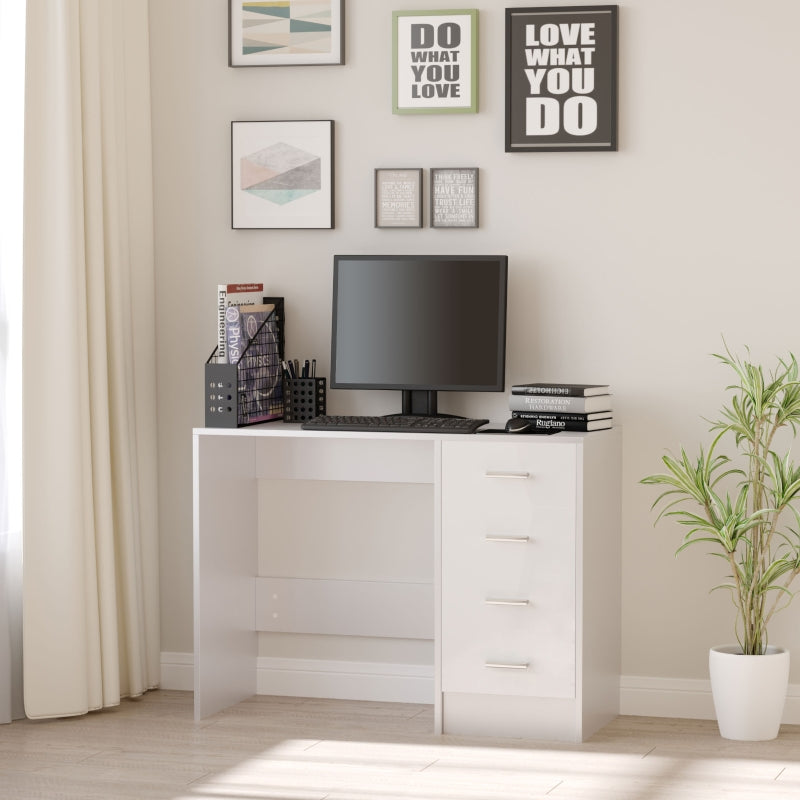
(508, 568)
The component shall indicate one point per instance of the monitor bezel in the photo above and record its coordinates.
(502, 320)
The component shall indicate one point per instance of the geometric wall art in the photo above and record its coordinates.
(265, 33)
(282, 174)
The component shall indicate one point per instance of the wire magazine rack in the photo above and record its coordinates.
(251, 390)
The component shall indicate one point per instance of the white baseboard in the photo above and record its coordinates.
(177, 671)
(413, 683)
(342, 680)
(684, 698)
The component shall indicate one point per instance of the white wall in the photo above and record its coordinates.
(625, 267)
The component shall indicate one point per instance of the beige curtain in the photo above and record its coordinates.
(12, 82)
(90, 579)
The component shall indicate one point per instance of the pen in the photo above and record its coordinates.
(313, 367)
(305, 368)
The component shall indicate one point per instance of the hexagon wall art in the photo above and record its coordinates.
(282, 174)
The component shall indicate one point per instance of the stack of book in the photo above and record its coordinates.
(562, 406)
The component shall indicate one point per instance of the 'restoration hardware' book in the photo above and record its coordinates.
(559, 404)
(561, 389)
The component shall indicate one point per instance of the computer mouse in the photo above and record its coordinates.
(517, 425)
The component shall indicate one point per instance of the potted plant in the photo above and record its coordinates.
(741, 502)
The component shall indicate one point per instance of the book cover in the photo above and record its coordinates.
(561, 389)
(558, 416)
(233, 294)
(241, 325)
(254, 333)
(560, 405)
(567, 425)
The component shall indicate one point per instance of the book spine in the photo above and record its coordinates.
(234, 335)
(550, 415)
(549, 391)
(565, 405)
(567, 425)
(222, 302)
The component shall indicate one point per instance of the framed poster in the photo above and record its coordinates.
(285, 32)
(435, 62)
(398, 198)
(454, 197)
(282, 174)
(561, 78)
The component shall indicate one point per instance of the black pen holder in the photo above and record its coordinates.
(303, 399)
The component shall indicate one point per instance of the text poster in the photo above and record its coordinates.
(435, 61)
(454, 198)
(561, 78)
(398, 198)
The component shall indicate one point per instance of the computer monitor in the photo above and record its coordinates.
(420, 324)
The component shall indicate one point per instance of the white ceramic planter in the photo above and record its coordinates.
(749, 691)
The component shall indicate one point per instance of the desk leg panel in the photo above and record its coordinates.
(225, 565)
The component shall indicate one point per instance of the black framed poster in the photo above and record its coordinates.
(561, 78)
(282, 174)
(266, 33)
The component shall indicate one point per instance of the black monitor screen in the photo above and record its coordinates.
(419, 322)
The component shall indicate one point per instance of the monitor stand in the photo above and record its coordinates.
(422, 403)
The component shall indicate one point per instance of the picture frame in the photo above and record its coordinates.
(435, 62)
(454, 197)
(285, 33)
(282, 174)
(398, 197)
(570, 106)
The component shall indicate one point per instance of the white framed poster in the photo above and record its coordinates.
(435, 62)
(282, 174)
(272, 33)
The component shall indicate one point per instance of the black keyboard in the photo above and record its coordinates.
(394, 423)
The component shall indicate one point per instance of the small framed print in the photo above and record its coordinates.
(285, 32)
(282, 174)
(561, 78)
(454, 197)
(398, 198)
(435, 62)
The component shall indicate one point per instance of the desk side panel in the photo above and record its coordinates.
(601, 563)
(225, 562)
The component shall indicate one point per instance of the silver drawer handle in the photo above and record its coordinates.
(495, 665)
(494, 601)
(504, 474)
(490, 537)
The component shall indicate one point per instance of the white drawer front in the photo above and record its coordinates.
(508, 570)
(497, 476)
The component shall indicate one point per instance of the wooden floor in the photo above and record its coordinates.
(293, 749)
